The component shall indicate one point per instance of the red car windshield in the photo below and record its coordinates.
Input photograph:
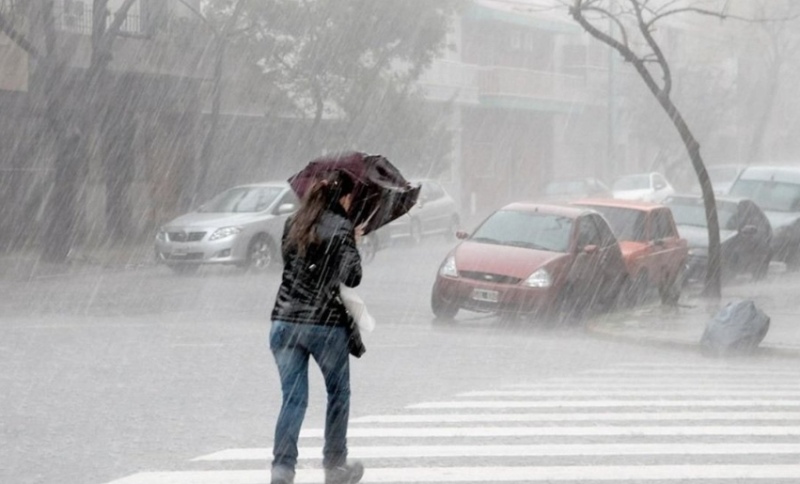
(532, 230)
(626, 223)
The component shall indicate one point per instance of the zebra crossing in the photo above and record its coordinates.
(630, 423)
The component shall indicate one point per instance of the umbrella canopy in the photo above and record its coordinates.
(382, 194)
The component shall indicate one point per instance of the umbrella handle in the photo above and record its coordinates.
(370, 216)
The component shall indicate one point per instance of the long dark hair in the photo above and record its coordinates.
(324, 193)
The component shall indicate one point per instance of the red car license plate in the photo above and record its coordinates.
(485, 295)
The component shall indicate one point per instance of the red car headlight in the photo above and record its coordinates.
(541, 278)
(448, 268)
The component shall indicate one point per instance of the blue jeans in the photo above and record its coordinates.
(291, 345)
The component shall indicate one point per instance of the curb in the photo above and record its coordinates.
(686, 346)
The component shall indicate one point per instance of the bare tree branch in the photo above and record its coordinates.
(720, 15)
(648, 36)
(612, 18)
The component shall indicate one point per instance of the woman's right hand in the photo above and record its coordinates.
(359, 233)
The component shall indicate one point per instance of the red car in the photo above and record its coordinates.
(529, 258)
(655, 255)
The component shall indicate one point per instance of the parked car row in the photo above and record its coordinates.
(565, 257)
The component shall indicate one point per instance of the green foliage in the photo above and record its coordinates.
(349, 67)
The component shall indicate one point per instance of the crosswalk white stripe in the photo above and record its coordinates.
(629, 393)
(548, 450)
(722, 365)
(606, 403)
(666, 385)
(690, 372)
(573, 417)
(607, 430)
(486, 474)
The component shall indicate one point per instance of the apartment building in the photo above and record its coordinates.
(537, 98)
(524, 85)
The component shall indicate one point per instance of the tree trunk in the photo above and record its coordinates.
(207, 152)
(713, 275)
(53, 89)
(119, 172)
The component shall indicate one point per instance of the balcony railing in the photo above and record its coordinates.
(471, 82)
(446, 79)
(522, 83)
(77, 17)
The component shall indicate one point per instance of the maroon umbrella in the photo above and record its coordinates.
(382, 194)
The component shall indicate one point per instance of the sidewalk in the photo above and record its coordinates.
(682, 327)
(28, 264)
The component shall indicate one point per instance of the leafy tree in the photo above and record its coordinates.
(351, 64)
(71, 104)
(222, 22)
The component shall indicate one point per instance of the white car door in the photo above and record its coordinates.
(661, 187)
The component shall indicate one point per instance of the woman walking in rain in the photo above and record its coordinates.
(309, 320)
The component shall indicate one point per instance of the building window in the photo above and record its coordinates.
(528, 42)
(516, 40)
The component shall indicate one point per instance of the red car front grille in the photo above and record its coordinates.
(489, 277)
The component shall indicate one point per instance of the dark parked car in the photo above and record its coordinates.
(723, 176)
(529, 258)
(745, 235)
(436, 213)
(777, 191)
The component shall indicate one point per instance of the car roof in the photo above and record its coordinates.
(573, 178)
(619, 203)
(644, 173)
(562, 210)
(726, 198)
(738, 166)
(766, 173)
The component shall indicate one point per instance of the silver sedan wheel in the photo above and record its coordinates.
(260, 254)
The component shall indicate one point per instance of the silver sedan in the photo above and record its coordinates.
(240, 226)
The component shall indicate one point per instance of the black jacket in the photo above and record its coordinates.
(310, 285)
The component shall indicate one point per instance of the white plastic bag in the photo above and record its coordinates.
(357, 308)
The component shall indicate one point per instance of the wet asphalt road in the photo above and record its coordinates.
(105, 373)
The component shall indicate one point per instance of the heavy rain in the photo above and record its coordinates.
(574, 226)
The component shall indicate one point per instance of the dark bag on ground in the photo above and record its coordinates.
(738, 328)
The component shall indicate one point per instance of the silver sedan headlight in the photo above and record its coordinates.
(225, 232)
(541, 278)
(449, 268)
